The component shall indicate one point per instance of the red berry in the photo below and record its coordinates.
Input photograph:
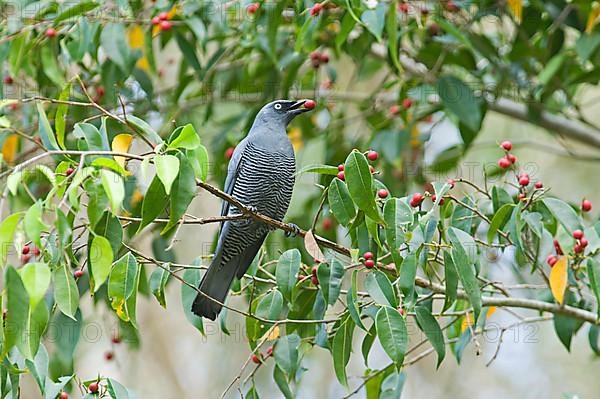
(78, 273)
(341, 167)
(524, 179)
(25, 258)
(116, 339)
(63, 395)
(511, 158)
(327, 224)
(315, 56)
(314, 269)
(416, 200)
(372, 155)
(229, 153)
(539, 185)
(369, 263)
(310, 104)
(506, 145)
(578, 248)
(300, 277)
(50, 33)
(155, 21)
(109, 355)
(503, 163)
(165, 26)
(586, 205)
(316, 9)
(25, 250)
(36, 251)
(394, 110)
(314, 280)
(69, 171)
(401, 311)
(269, 351)
(551, 260)
(94, 387)
(452, 6)
(578, 234)
(8, 80)
(583, 242)
(163, 16)
(324, 58)
(434, 29)
(434, 198)
(557, 247)
(382, 193)
(451, 183)
(407, 103)
(341, 176)
(368, 255)
(253, 8)
(371, 169)
(521, 197)
(403, 7)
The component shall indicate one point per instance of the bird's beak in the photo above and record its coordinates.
(298, 108)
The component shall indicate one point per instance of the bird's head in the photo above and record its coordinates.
(284, 111)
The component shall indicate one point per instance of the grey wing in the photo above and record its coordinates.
(233, 170)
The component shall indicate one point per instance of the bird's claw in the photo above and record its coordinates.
(252, 209)
(295, 230)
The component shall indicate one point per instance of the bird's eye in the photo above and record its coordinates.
(277, 106)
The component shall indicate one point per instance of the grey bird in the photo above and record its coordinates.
(260, 175)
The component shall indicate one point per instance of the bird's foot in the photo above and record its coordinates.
(295, 230)
(252, 209)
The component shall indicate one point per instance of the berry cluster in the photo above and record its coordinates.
(317, 58)
(27, 252)
(396, 109)
(368, 260)
(260, 358)
(315, 10)
(371, 156)
(162, 21)
(508, 159)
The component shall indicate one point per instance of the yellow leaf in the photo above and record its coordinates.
(414, 136)
(593, 19)
(9, 149)
(558, 279)
(310, 243)
(121, 143)
(136, 36)
(295, 136)
(119, 306)
(272, 334)
(516, 6)
(466, 321)
(136, 197)
(173, 11)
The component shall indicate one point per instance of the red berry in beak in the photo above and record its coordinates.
(310, 104)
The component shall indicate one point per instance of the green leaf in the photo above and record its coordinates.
(360, 185)
(499, 220)
(352, 301)
(465, 269)
(114, 41)
(33, 224)
(429, 325)
(593, 270)
(76, 10)
(36, 279)
(114, 188)
(340, 202)
(131, 302)
(145, 129)
(66, 294)
(286, 353)
(280, 380)
(158, 281)
(380, 289)
(408, 272)
(7, 233)
(392, 333)
(374, 20)
(111, 164)
(45, 130)
(167, 169)
(397, 214)
(451, 277)
(459, 99)
(391, 27)
(288, 267)
(551, 68)
(187, 138)
(100, 262)
(341, 348)
(50, 65)
(96, 140)
(189, 293)
(154, 203)
(17, 310)
(198, 158)
(182, 193)
(565, 214)
(319, 168)
(116, 390)
(270, 306)
(121, 282)
(330, 276)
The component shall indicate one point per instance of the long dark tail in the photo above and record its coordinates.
(215, 285)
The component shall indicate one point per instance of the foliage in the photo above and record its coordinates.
(128, 92)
